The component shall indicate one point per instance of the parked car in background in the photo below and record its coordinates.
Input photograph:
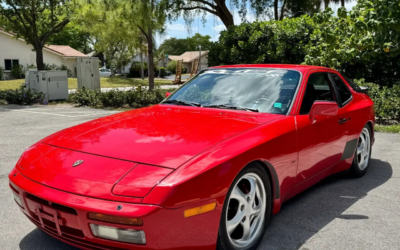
(205, 168)
(168, 73)
(105, 72)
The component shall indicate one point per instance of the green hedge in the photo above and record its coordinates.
(386, 99)
(361, 43)
(21, 95)
(135, 98)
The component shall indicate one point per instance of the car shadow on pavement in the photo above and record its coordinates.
(38, 240)
(307, 213)
(299, 219)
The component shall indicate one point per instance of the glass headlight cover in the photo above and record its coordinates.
(119, 234)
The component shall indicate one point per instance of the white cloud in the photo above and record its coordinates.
(176, 27)
(219, 28)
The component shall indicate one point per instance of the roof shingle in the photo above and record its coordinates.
(66, 50)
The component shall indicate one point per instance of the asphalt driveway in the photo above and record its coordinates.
(337, 213)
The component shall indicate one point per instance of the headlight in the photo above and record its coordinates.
(119, 234)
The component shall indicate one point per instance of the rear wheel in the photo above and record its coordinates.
(363, 153)
(246, 211)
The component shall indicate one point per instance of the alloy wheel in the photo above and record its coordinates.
(246, 210)
(363, 149)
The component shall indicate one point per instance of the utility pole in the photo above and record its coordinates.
(199, 57)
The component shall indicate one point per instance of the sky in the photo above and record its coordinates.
(213, 25)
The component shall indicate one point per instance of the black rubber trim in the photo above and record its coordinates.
(349, 149)
(275, 179)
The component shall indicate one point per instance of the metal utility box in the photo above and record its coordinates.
(88, 72)
(27, 76)
(53, 83)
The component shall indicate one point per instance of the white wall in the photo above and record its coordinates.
(71, 64)
(136, 58)
(10, 48)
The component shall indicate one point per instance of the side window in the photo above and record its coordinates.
(319, 88)
(344, 92)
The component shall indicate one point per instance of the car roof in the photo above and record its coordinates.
(301, 68)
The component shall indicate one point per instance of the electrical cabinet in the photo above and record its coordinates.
(88, 72)
(53, 83)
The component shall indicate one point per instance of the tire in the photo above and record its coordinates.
(362, 154)
(248, 203)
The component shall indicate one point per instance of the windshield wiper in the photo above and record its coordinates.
(223, 106)
(178, 102)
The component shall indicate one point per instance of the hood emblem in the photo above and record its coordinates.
(77, 163)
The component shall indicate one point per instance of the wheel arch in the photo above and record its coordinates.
(371, 126)
(273, 180)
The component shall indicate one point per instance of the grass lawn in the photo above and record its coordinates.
(388, 128)
(105, 82)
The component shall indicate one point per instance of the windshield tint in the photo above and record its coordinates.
(262, 89)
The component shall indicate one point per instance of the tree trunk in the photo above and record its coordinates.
(224, 14)
(342, 2)
(276, 10)
(151, 59)
(39, 57)
(283, 9)
(141, 64)
(326, 3)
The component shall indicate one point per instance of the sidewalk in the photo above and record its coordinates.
(70, 91)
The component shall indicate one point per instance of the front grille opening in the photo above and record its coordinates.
(64, 209)
(53, 205)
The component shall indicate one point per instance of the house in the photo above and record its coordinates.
(17, 52)
(135, 60)
(188, 57)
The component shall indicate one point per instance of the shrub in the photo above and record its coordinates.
(54, 67)
(386, 99)
(171, 66)
(84, 97)
(17, 71)
(361, 43)
(263, 42)
(135, 70)
(21, 95)
(69, 72)
(158, 73)
(135, 98)
(1, 73)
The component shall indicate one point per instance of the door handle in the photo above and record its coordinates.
(342, 121)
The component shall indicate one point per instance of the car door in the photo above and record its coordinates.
(320, 144)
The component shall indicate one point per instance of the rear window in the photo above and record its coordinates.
(344, 92)
(354, 86)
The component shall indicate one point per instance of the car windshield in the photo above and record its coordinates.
(264, 90)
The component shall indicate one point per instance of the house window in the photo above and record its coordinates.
(10, 63)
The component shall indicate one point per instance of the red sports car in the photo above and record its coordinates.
(203, 169)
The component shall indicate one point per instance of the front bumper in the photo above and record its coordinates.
(64, 216)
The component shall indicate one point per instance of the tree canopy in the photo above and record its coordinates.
(361, 43)
(73, 35)
(176, 46)
(35, 21)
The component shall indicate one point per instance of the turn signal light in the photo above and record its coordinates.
(200, 210)
(116, 219)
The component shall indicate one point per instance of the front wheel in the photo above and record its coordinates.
(362, 155)
(246, 211)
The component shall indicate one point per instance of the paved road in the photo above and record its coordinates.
(338, 213)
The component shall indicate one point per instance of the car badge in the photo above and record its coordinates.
(77, 163)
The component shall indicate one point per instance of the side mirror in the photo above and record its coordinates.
(323, 108)
(167, 94)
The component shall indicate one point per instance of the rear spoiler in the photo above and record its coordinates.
(364, 89)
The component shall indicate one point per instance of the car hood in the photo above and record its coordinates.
(161, 135)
